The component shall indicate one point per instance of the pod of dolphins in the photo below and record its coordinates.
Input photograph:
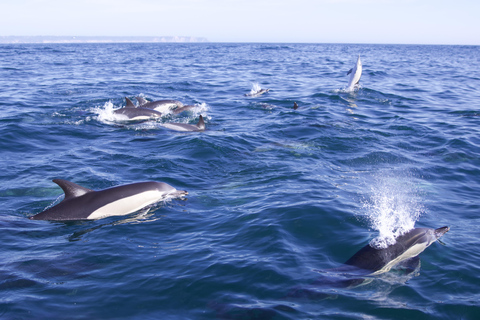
(81, 203)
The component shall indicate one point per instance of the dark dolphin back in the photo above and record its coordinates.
(374, 259)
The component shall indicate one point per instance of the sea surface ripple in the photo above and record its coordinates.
(276, 195)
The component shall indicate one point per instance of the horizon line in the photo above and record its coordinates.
(50, 39)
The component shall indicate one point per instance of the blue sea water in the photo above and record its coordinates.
(276, 195)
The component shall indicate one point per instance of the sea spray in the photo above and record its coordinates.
(393, 207)
(255, 88)
(105, 113)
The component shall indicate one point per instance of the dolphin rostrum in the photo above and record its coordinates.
(200, 126)
(84, 204)
(159, 105)
(134, 113)
(355, 74)
(408, 245)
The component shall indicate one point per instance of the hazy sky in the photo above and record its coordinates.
(317, 21)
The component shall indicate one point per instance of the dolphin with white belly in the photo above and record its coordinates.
(407, 246)
(84, 204)
(131, 112)
(355, 74)
(369, 262)
(159, 105)
(200, 126)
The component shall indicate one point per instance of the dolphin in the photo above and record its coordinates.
(159, 105)
(355, 74)
(407, 246)
(182, 109)
(134, 113)
(256, 93)
(200, 126)
(369, 262)
(84, 204)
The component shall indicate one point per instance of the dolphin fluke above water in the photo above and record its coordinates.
(355, 74)
(81, 203)
(408, 245)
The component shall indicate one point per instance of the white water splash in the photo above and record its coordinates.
(393, 208)
(105, 113)
(255, 88)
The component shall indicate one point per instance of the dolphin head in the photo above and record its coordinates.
(441, 231)
(167, 190)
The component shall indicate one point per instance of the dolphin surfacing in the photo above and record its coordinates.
(159, 105)
(137, 113)
(256, 93)
(81, 203)
(200, 126)
(408, 245)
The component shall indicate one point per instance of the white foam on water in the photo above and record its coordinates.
(105, 113)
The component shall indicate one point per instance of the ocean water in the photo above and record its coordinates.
(276, 195)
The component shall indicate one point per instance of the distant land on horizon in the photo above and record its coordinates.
(95, 39)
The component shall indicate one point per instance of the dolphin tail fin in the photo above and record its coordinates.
(201, 123)
(129, 103)
(71, 189)
(349, 71)
(141, 100)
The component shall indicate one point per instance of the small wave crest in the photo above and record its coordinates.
(393, 208)
(353, 90)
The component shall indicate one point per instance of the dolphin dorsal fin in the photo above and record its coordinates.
(129, 103)
(141, 100)
(201, 123)
(71, 189)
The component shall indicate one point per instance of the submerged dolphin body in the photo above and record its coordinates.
(134, 113)
(159, 105)
(200, 126)
(407, 246)
(84, 204)
(355, 74)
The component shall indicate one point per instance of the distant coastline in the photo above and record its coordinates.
(85, 39)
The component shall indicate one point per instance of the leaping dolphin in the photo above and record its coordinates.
(355, 74)
(84, 204)
(159, 105)
(408, 245)
(200, 126)
(137, 113)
